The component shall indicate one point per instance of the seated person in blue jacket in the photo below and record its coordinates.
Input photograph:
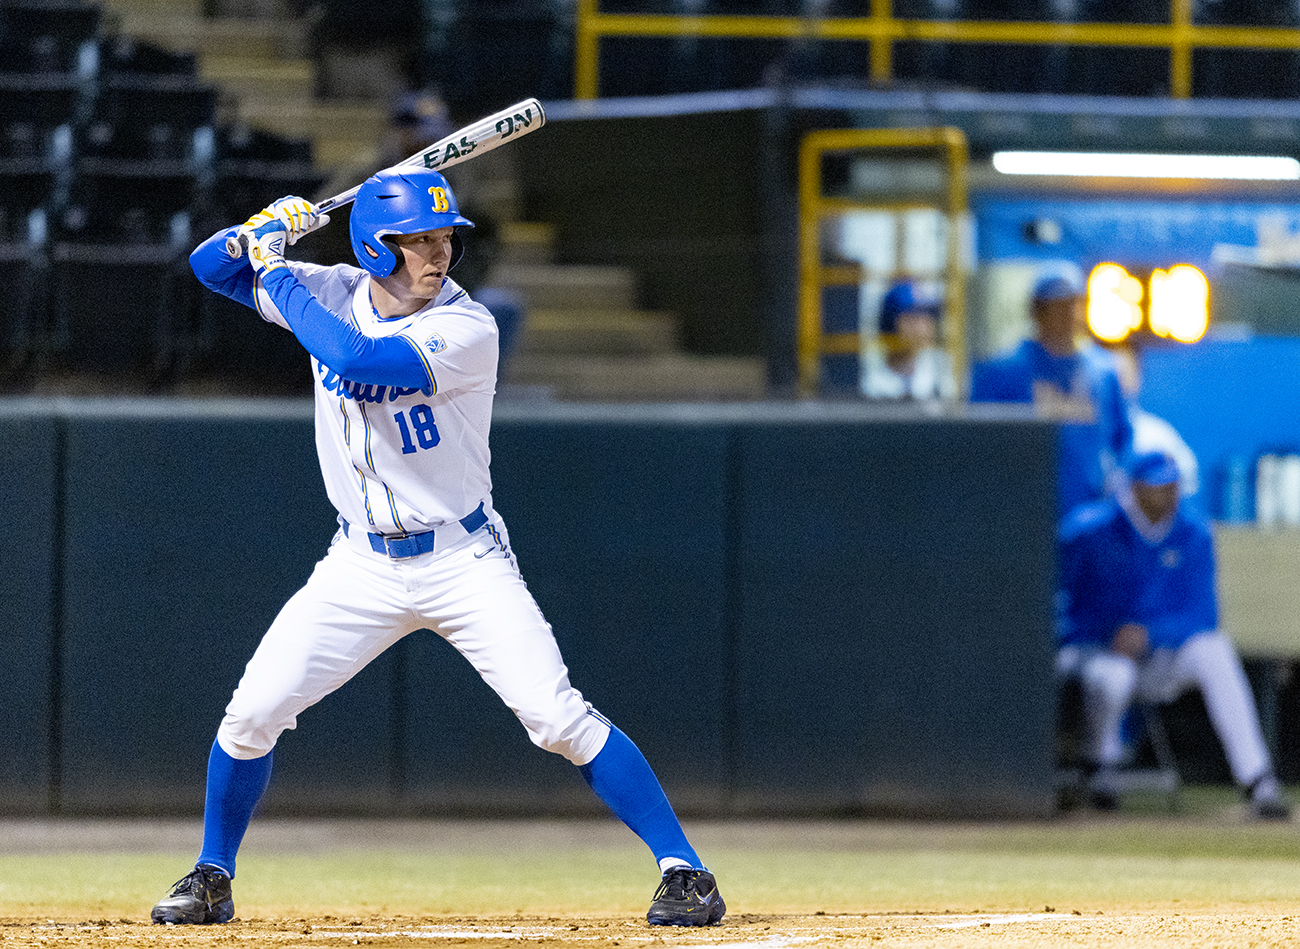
(1069, 378)
(1138, 618)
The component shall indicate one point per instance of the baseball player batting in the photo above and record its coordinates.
(405, 367)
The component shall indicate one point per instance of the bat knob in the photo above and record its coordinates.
(236, 245)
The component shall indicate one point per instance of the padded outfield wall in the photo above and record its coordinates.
(793, 609)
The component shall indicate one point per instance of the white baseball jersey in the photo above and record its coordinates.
(398, 460)
(409, 460)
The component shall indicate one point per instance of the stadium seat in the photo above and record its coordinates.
(121, 55)
(255, 167)
(26, 184)
(151, 117)
(236, 349)
(116, 309)
(24, 271)
(44, 102)
(232, 345)
(120, 298)
(143, 156)
(47, 36)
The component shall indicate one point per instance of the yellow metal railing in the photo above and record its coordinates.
(881, 29)
(949, 147)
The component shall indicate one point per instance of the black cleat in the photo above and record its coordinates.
(1270, 808)
(686, 897)
(201, 896)
(1104, 799)
(1266, 800)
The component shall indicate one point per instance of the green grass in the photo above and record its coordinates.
(1205, 857)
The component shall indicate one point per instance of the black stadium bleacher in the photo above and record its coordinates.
(112, 166)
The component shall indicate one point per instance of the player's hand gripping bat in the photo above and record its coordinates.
(474, 139)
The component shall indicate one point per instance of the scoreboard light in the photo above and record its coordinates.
(1180, 303)
(1114, 302)
(1177, 303)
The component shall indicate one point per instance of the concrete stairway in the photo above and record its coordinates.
(258, 60)
(585, 339)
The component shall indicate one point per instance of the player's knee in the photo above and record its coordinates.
(1109, 678)
(250, 733)
(577, 737)
(1210, 646)
(1209, 655)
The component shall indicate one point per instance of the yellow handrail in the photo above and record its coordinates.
(813, 342)
(881, 29)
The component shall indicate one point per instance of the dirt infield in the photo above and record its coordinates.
(1208, 879)
(1029, 930)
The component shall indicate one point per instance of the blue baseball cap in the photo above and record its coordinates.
(906, 297)
(1154, 468)
(1058, 285)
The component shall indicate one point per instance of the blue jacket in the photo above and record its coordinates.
(1110, 574)
(1083, 391)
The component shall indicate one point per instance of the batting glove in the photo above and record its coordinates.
(298, 216)
(261, 217)
(266, 246)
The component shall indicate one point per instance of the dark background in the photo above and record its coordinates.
(791, 610)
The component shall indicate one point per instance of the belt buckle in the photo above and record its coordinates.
(400, 548)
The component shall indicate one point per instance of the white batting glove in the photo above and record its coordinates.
(237, 244)
(266, 246)
(298, 215)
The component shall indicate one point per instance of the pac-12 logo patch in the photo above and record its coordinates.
(436, 343)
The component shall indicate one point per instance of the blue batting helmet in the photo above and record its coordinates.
(906, 297)
(401, 201)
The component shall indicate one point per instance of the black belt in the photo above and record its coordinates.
(412, 545)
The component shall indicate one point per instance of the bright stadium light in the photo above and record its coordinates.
(1135, 165)
(1114, 302)
(1180, 303)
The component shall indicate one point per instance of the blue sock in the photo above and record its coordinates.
(234, 788)
(621, 777)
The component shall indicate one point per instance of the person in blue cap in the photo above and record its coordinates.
(1138, 618)
(1068, 378)
(907, 362)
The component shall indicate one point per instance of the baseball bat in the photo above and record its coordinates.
(474, 139)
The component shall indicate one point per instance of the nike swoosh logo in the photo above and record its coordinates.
(481, 554)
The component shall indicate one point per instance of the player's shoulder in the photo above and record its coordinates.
(1014, 358)
(1193, 519)
(1088, 519)
(1003, 375)
(1097, 355)
(1100, 361)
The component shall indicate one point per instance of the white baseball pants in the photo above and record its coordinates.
(357, 603)
(1207, 661)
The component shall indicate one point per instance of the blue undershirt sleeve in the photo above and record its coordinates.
(219, 272)
(387, 360)
(1122, 425)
